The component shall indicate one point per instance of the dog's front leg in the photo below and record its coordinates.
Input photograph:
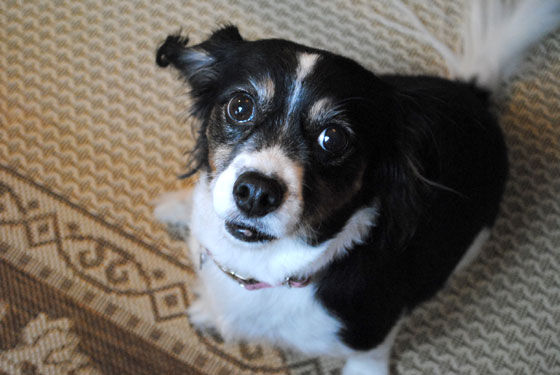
(175, 208)
(374, 361)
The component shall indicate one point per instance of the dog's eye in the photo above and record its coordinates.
(333, 139)
(241, 108)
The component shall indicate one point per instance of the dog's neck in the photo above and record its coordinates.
(250, 283)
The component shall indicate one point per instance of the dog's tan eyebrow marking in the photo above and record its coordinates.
(265, 88)
(306, 62)
(326, 110)
(218, 158)
(320, 108)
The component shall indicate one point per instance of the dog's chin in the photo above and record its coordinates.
(247, 233)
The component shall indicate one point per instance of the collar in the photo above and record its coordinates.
(250, 283)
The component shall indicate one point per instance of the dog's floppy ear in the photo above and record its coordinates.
(199, 64)
(401, 186)
(400, 201)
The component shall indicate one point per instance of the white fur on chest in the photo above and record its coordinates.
(286, 316)
(282, 315)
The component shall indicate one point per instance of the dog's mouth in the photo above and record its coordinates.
(247, 233)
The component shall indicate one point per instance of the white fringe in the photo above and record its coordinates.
(499, 33)
(496, 35)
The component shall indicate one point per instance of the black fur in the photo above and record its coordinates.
(457, 144)
(426, 150)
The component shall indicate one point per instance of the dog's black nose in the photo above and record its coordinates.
(256, 194)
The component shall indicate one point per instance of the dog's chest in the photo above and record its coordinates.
(283, 315)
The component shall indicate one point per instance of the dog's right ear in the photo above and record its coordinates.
(199, 63)
(200, 66)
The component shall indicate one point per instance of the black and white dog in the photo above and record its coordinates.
(338, 199)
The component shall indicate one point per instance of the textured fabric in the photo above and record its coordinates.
(91, 131)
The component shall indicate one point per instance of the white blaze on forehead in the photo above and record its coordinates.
(306, 62)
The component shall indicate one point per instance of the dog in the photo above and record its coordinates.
(338, 199)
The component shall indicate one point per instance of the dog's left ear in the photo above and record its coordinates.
(401, 187)
(199, 64)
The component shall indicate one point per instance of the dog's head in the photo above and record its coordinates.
(293, 140)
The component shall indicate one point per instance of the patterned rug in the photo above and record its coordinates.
(91, 131)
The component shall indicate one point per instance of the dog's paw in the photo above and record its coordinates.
(200, 316)
(174, 208)
(365, 366)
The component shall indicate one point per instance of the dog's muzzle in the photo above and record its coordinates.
(256, 195)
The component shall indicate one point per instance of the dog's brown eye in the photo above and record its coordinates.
(241, 108)
(333, 139)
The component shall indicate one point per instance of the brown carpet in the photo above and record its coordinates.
(91, 132)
